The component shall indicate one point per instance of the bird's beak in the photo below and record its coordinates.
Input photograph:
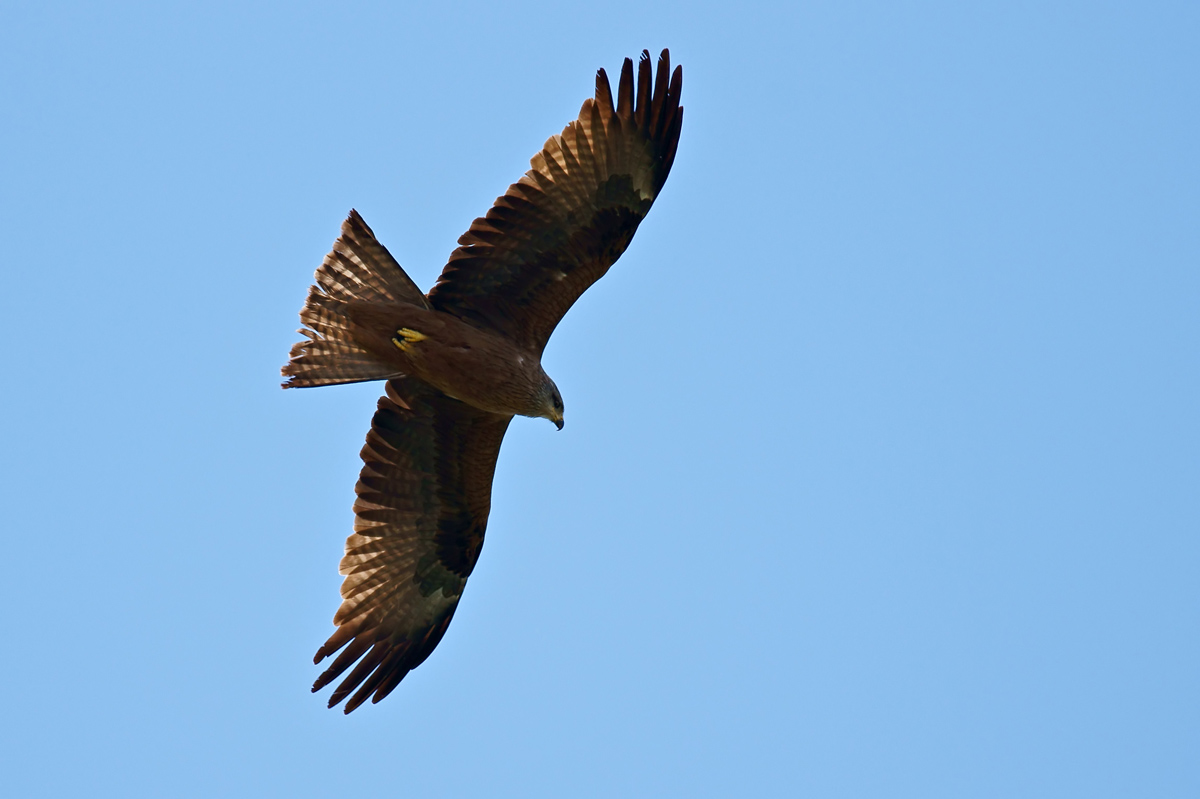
(558, 422)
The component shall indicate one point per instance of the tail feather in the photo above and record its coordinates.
(357, 269)
(360, 268)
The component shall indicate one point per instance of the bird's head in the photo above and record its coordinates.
(552, 404)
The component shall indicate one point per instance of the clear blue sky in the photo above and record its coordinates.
(881, 472)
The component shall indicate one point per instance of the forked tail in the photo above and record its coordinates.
(358, 268)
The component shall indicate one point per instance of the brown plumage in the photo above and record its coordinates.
(462, 361)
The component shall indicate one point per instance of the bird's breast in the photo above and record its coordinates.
(479, 367)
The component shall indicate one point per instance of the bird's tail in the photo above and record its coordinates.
(357, 269)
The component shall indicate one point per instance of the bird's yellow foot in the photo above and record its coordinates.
(405, 337)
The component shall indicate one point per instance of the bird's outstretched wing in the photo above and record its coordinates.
(423, 499)
(559, 228)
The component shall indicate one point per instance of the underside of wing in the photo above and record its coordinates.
(424, 494)
(560, 227)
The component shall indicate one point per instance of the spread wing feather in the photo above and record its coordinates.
(424, 494)
(561, 226)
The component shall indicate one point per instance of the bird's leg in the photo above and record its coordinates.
(405, 337)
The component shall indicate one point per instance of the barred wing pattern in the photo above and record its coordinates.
(559, 228)
(423, 500)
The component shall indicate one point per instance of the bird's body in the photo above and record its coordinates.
(462, 360)
(468, 363)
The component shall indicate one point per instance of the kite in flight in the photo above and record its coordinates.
(462, 360)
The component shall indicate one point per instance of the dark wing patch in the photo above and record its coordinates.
(559, 228)
(423, 500)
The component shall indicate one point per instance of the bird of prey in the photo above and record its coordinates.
(462, 360)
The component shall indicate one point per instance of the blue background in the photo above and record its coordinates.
(881, 472)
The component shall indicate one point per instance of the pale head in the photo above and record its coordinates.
(551, 404)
